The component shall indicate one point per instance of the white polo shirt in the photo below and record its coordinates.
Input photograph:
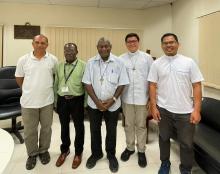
(105, 77)
(174, 76)
(138, 66)
(37, 88)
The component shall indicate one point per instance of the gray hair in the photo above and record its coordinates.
(103, 39)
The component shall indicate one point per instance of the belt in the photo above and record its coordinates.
(68, 97)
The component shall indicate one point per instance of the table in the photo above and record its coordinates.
(6, 149)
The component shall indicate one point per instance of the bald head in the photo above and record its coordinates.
(40, 36)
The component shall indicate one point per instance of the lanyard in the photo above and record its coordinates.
(67, 77)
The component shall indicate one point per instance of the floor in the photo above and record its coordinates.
(17, 163)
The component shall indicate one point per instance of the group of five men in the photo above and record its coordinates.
(167, 84)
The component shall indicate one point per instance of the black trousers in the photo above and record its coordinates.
(67, 109)
(178, 126)
(111, 120)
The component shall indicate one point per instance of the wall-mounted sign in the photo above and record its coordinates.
(26, 31)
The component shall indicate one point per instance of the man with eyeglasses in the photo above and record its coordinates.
(174, 79)
(135, 98)
(69, 102)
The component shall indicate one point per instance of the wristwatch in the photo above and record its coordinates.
(114, 98)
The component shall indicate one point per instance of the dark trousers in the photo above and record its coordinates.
(71, 108)
(177, 126)
(111, 120)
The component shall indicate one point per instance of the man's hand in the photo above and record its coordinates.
(148, 108)
(195, 117)
(108, 103)
(55, 109)
(155, 113)
(101, 106)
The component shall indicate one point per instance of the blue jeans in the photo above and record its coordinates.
(176, 126)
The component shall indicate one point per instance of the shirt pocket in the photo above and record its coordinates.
(113, 78)
(182, 76)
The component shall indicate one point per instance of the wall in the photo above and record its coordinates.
(52, 15)
(154, 22)
(185, 18)
(155, 26)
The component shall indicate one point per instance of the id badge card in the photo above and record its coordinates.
(65, 89)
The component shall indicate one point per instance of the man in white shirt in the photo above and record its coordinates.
(174, 78)
(135, 98)
(104, 78)
(34, 74)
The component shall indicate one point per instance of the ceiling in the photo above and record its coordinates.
(127, 4)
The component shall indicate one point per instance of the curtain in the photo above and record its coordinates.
(86, 40)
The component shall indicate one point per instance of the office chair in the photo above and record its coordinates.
(10, 94)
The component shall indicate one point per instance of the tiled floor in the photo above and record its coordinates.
(17, 163)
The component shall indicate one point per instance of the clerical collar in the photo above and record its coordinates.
(133, 54)
(171, 58)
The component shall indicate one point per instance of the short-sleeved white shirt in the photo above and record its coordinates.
(138, 66)
(37, 87)
(174, 76)
(113, 73)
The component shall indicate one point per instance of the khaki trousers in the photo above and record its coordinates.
(135, 125)
(31, 119)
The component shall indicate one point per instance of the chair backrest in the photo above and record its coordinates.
(10, 92)
(210, 112)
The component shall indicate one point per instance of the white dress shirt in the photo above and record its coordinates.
(138, 66)
(174, 76)
(37, 87)
(105, 77)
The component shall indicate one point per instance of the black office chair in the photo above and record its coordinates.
(10, 94)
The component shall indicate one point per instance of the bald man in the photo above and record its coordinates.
(34, 74)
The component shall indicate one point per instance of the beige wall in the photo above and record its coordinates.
(182, 19)
(52, 15)
(157, 22)
(185, 14)
(154, 22)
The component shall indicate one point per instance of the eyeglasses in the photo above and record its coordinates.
(132, 41)
(169, 43)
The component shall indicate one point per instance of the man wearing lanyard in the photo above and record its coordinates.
(69, 102)
(105, 77)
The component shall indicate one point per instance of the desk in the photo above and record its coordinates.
(6, 149)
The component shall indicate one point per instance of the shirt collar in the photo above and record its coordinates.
(133, 54)
(171, 57)
(110, 59)
(33, 57)
(73, 63)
